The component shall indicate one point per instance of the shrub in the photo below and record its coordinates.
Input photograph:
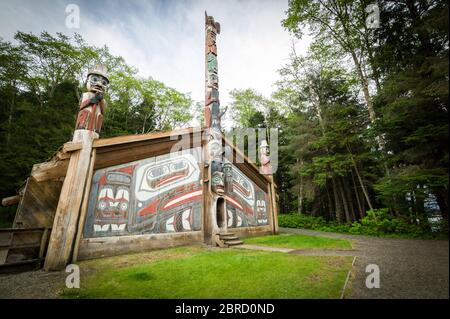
(377, 222)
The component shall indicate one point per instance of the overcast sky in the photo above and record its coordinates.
(165, 39)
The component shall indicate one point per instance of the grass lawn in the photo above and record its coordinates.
(299, 241)
(199, 272)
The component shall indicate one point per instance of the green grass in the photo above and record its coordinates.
(196, 272)
(298, 241)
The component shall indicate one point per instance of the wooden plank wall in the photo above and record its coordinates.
(38, 204)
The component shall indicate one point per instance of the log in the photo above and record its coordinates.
(67, 213)
(12, 200)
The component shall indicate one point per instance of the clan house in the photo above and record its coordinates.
(106, 196)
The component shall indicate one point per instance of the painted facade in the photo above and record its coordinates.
(246, 203)
(163, 194)
(160, 194)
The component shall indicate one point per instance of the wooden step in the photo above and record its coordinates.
(226, 234)
(233, 242)
(229, 237)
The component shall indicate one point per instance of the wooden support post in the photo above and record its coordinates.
(84, 207)
(207, 196)
(67, 214)
(43, 244)
(273, 203)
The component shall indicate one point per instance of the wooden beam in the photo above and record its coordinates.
(49, 170)
(9, 201)
(72, 146)
(141, 137)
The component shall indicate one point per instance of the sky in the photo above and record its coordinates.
(165, 39)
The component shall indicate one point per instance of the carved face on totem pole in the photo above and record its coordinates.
(96, 82)
(228, 177)
(264, 157)
(92, 105)
(212, 108)
(215, 153)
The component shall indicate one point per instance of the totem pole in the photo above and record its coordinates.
(92, 105)
(264, 158)
(214, 153)
(72, 205)
(212, 106)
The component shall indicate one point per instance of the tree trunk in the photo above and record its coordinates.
(337, 202)
(344, 200)
(348, 192)
(300, 190)
(365, 86)
(330, 203)
(362, 212)
(363, 187)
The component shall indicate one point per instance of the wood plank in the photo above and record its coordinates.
(49, 170)
(119, 245)
(141, 137)
(22, 230)
(38, 204)
(12, 200)
(72, 146)
(43, 244)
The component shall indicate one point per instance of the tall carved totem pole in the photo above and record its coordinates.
(214, 149)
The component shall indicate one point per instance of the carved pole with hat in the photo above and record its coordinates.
(72, 206)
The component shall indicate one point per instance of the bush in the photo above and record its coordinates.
(377, 222)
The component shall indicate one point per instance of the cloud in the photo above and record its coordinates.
(165, 39)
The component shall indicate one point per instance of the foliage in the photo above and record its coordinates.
(378, 222)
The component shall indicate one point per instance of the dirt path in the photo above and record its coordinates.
(409, 268)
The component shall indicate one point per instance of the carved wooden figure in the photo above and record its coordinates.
(92, 105)
(264, 157)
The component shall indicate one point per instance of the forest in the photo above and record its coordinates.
(362, 117)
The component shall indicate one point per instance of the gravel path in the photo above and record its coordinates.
(409, 268)
(32, 285)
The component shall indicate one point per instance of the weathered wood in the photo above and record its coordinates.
(9, 201)
(72, 146)
(243, 232)
(43, 245)
(49, 170)
(20, 245)
(67, 213)
(119, 245)
(274, 206)
(84, 207)
(38, 204)
(140, 137)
